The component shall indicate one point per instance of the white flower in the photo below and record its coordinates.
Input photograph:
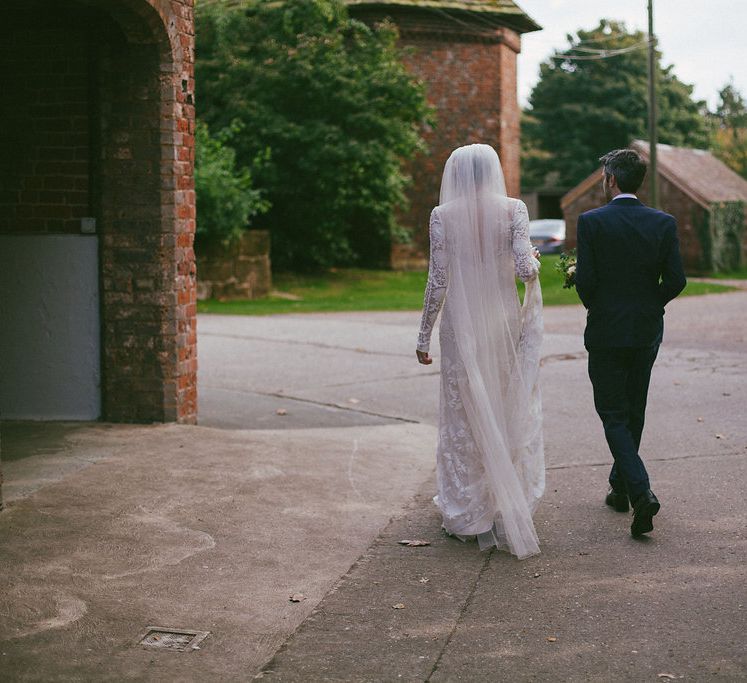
(571, 270)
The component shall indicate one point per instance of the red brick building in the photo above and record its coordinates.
(465, 51)
(694, 187)
(97, 210)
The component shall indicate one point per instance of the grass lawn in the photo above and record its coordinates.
(353, 289)
(740, 274)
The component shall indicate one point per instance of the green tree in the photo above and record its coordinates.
(226, 198)
(729, 129)
(594, 99)
(731, 111)
(331, 99)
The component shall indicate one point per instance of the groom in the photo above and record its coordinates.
(628, 268)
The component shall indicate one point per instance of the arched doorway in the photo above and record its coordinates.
(97, 295)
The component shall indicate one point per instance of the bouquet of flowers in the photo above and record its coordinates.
(567, 266)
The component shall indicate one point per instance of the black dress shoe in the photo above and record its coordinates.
(617, 501)
(645, 506)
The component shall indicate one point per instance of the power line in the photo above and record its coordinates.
(537, 37)
(601, 54)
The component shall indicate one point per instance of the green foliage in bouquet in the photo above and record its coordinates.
(339, 112)
(566, 265)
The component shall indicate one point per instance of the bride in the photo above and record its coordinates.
(490, 457)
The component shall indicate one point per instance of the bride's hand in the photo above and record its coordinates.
(423, 357)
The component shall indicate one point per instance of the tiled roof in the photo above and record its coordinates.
(507, 9)
(698, 173)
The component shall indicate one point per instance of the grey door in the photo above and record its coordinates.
(49, 327)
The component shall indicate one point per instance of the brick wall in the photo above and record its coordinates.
(690, 217)
(98, 120)
(44, 136)
(469, 68)
(591, 199)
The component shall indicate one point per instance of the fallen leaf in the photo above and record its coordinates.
(665, 675)
(719, 436)
(399, 605)
(536, 575)
(297, 597)
(281, 411)
(551, 639)
(423, 579)
(414, 543)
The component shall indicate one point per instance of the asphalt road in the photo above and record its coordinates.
(331, 370)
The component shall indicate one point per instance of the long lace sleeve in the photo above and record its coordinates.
(435, 289)
(525, 265)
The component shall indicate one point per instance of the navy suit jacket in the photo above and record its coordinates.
(628, 268)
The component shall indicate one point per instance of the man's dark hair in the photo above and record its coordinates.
(627, 166)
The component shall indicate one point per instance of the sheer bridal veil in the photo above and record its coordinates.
(498, 340)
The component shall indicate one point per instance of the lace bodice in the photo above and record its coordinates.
(525, 265)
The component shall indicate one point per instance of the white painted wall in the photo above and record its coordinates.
(49, 327)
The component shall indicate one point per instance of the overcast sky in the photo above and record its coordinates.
(706, 41)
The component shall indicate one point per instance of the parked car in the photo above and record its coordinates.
(548, 235)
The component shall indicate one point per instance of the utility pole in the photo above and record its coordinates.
(652, 112)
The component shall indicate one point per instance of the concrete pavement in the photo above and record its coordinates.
(596, 605)
(114, 528)
(190, 528)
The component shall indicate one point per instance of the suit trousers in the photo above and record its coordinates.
(620, 378)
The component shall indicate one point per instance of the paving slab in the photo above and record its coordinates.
(191, 528)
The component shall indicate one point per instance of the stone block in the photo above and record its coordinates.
(240, 271)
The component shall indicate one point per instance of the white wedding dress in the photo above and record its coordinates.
(490, 454)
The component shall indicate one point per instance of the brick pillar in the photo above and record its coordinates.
(471, 82)
(509, 132)
(147, 208)
(182, 126)
(469, 69)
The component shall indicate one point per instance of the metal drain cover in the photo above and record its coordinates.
(176, 639)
